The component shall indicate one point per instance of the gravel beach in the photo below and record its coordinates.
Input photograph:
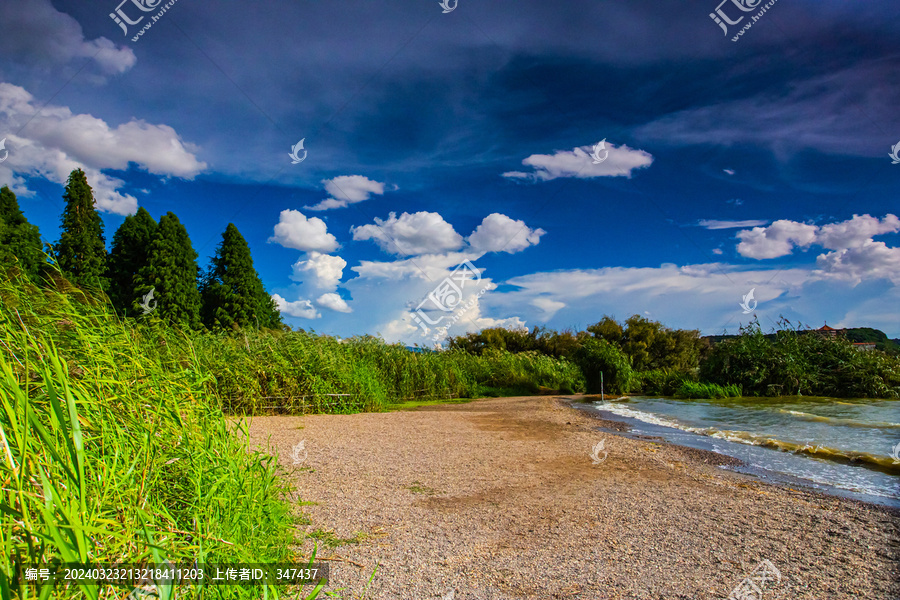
(499, 499)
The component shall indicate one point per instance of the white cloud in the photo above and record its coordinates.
(778, 239)
(499, 233)
(346, 190)
(855, 232)
(322, 271)
(578, 163)
(869, 260)
(411, 234)
(299, 308)
(52, 142)
(333, 302)
(704, 296)
(713, 224)
(295, 230)
(729, 171)
(855, 255)
(33, 31)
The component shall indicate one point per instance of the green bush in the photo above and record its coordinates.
(801, 362)
(660, 381)
(596, 356)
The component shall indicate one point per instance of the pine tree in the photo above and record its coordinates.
(129, 254)
(20, 241)
(171, 273)
(232, 292)
(81, 250)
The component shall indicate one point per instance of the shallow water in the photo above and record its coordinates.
(828, 443)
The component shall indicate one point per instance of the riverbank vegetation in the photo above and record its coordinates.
(643, 356)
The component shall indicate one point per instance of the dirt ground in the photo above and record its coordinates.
(500, 499)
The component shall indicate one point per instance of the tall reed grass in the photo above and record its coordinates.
(112, 451)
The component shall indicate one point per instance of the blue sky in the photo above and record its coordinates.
(436, 138)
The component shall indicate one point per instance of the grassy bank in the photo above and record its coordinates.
(301, 372)
(113, 451)
(115, 447)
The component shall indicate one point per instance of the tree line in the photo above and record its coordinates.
(145, 256)
(640, 355)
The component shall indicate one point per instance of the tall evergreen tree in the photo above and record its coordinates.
(20, 241)
(81, 250)
(129, 254)
(232, 292)
(171, 273)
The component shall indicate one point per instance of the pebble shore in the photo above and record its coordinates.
(500, 499)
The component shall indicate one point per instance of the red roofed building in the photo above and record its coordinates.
(826, 330)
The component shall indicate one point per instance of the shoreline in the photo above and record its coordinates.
(498, 498)
(759, 468)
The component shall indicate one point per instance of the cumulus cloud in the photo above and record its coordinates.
(621, 161)
(295, 230)
(499, 233)
(868, 260)
(778, 239)
(333, 302)
(346, 190)
(303, 309)
(855, 255)
(52, 142)
(33, 31)
(713, 224)
(856, 232)
(429, 267)
(321, 271)
(411, 234)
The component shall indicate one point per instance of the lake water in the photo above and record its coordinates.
(835, 445)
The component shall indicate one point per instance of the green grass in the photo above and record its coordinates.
(113, 450)
(417, 488)
(693, 389)
(300, 372)
(329, 538)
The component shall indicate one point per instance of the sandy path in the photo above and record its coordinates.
(499, 499)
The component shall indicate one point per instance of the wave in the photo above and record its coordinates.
(841, 421)
(885, 464)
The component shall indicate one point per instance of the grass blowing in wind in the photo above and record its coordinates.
(114, 452)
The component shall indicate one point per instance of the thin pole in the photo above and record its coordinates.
(601, 386)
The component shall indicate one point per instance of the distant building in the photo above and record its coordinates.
(829, 331)
(864, 345)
